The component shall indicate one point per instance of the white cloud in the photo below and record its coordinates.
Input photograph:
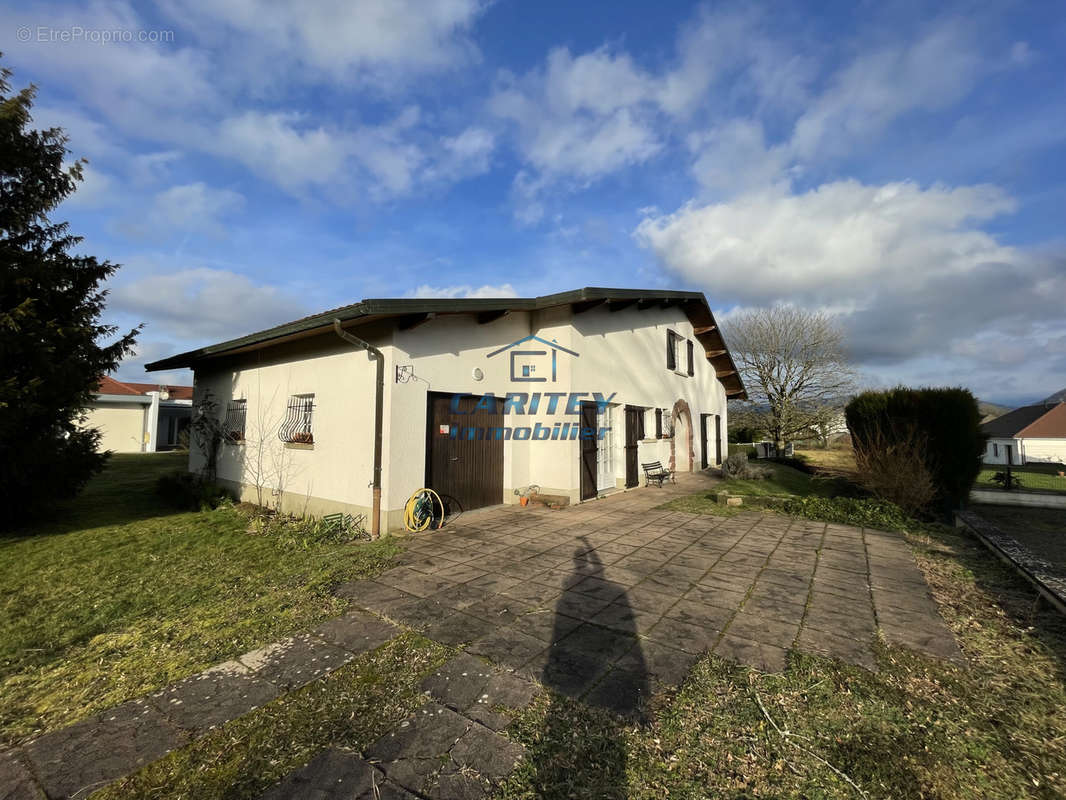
(450, 292)
(96, 190)
(375, 41)
(194, 207)
(818, 247)
(580, 117)
(937, 69)
(907, 269)
(200, 304)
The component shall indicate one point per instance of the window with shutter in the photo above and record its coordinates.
(691, 362)
(658, 423)
(671, 350)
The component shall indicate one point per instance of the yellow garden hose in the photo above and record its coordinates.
(418, 513)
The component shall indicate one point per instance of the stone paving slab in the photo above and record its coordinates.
(81, 758)
(213, 697)
(295, 661)
(337, 775)
(438, 753)
(16, 781)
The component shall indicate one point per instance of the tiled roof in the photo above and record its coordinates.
(109, 385)
(1033, 421)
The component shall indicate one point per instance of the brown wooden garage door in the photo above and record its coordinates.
(469, 471)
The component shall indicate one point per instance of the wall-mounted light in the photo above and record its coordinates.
(404, 373)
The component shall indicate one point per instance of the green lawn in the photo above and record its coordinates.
(118, 595)
(782, 480)
(1044, 477)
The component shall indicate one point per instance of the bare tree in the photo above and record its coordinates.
(794, 366)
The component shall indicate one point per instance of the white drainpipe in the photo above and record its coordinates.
(151, 423)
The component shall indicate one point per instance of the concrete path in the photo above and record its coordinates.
(608, 601)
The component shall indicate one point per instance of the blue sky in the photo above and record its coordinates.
(899, 165)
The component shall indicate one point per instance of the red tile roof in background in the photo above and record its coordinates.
(109, 385)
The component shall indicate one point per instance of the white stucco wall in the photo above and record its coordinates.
(1027, 450)
(121, 426)
(622, 352)
(1045, 450)
(996, 451)
(332, 474)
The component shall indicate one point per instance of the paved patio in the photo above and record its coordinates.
(608, 601)
(612, 599)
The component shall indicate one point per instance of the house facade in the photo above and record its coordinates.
(140, 417)
(480, 399)
(1030, 434)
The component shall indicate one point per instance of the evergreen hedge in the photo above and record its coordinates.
(947, 420)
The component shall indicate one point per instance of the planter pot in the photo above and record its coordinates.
(523, 501)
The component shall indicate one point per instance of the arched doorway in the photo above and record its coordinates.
(681, 452)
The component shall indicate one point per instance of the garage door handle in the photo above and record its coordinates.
(454, 458)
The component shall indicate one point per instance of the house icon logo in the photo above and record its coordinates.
(524, 362)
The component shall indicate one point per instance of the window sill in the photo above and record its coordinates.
(235, 443)
(300, 445)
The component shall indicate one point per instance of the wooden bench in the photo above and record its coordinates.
(655, 472)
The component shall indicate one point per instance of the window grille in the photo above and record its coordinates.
(297, 424)
(236, 414)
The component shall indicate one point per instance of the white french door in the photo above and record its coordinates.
(605, 447)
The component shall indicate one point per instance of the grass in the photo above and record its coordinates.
(1041, 477)
(782, 480)
(836, 461)
(995, 728)
(117, 596)
(351, 708)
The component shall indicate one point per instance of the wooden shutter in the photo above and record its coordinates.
(658, 423)
(691, 363)
(671, 352)
(640, 428)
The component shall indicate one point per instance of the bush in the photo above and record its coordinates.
(944, 422)
(863, 513)
(893, 468)
(736, 467)
(189, 491)
(306, 533)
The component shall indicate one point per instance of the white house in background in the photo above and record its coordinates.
(480, 398)
(1028, 434)
(140, 417)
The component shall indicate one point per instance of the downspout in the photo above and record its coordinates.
(379, 394)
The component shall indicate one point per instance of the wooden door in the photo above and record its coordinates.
(589, 466)
(704, 454)
(465, 470)
(633, 432)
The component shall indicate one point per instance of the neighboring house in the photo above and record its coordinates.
(140, 417)
(481, 398)
(1026, 435)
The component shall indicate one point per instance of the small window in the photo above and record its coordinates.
(691, 361)
(995, 450)
(236, 414)
(658, 423)
(671, 350)
(297, 425)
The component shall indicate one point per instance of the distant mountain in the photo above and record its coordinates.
(1058, 397)
(990, 411)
